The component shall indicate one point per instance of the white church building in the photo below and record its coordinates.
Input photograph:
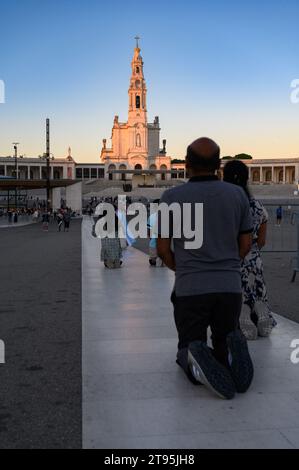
(135, 151)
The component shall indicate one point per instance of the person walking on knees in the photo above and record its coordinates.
(256, 318)
(111, 251)
(208, 290)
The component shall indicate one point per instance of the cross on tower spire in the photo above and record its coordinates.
(137, 41)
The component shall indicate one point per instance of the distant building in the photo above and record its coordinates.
(270, 170)
(135, 151)
(261, 171)
(35, 168)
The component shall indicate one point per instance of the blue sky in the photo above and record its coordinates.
(215, 68)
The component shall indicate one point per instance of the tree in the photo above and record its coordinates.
(227, 158)
(243, 156)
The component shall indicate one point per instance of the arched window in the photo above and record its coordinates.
(138, 167)
(111, 175)
(163, 175)
(138, 140)
(138, 102)
(137, 69)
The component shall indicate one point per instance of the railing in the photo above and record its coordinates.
(284, 237)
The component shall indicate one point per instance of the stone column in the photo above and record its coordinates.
(64, 173)
(74, 197)
(284, 174)
(56, 198)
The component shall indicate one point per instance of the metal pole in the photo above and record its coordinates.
(296, 270)
(48, 162)
(15, 144)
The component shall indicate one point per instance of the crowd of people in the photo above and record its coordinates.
(221, 285)
(14, 215)
(61, 217)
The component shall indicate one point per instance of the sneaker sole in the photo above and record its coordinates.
(189, 375)
(209, 372)
(241, 368)
(264, 327)
(265, 323)
(249, 330)
(247, 326)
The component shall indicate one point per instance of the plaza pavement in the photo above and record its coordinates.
(40, 323)
(135, 396)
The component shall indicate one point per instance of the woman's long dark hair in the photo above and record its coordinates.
(236, 172)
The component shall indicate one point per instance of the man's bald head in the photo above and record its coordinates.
(203, 154)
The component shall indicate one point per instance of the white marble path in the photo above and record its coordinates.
(135, 396)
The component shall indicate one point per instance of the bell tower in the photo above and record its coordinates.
(136, 143)
(137, 90)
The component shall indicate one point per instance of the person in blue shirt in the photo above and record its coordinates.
(278, 215)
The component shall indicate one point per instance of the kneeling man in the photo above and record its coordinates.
(208, 291)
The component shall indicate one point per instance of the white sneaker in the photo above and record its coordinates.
(264, 322)
(247, 326)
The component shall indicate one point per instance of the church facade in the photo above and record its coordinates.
(135, 144)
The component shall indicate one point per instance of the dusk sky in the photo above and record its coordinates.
(214, 68)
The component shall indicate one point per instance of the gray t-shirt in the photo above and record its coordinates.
(215, 267)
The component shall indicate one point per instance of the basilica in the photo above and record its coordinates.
(135, 151)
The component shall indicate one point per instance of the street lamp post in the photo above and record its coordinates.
(15, 144)
(48, 162)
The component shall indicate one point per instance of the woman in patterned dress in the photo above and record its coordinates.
(111, 250)
(256, 318)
